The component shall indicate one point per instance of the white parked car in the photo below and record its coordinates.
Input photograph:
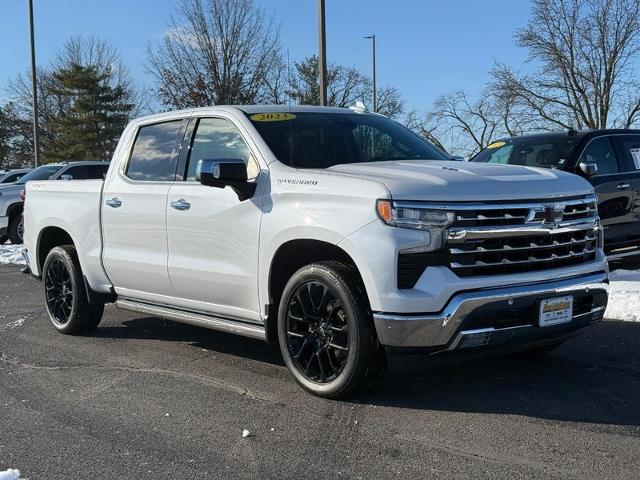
(335, 233)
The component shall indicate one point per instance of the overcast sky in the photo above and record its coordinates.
(425, 47)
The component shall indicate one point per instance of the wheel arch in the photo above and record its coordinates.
(288, 259)
(48, 239)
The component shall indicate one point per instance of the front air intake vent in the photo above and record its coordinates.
(410, 268)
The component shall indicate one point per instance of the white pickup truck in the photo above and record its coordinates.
(337, 233)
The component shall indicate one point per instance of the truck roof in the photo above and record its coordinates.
(248, 109)
(569, 133)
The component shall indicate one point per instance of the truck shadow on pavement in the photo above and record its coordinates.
(151, 328)
(593, 378)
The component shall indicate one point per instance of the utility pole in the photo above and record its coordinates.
(322, 54)
(34, 89)
(375, 91)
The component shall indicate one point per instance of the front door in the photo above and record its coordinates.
(134, 213)
(613, 185)
(213, 236)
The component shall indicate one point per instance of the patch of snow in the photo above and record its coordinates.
(10, 474)
(624, 296)
(11, 325)
(10, 254)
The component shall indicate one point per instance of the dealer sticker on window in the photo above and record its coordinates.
(554, 311)
(272, 117)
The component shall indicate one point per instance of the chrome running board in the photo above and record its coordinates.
(197, 319)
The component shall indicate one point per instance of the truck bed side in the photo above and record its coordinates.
(72, 207)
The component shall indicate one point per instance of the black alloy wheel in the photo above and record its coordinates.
(317, 331)
(59, 292)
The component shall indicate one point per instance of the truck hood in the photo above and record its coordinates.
(449, 181)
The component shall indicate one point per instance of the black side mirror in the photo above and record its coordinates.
(588, 169)
(226, 172)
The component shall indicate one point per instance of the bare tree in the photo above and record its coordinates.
(586, 51)
(345, 87)
(218, 52)
(473, 124)
(389, 102)
(425, 126)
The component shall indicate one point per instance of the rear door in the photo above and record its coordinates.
(628, 147)
(613, 185)
(134, 212)
(213, 236)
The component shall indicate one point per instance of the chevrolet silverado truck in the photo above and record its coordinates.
(338, 234)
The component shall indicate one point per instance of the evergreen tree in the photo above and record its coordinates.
(98, 112)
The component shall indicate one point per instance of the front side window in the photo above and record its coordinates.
(600, 151)
(219, 139)
(154, 155)
(12, 177)
(97, 172)
(322, 140)
(78, 172)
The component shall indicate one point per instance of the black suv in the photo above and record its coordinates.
(609, 159)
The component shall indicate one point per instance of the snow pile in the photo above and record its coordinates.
(10, 474)
(10, 254)
(624, 296)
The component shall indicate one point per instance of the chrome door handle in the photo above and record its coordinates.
(181, 204)
(623, 186)
(114, 202)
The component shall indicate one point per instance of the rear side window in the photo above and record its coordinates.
(630, 147)
(600, 151)
(154, 155)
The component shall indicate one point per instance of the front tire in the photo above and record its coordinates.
(65, 295)
(326, 333)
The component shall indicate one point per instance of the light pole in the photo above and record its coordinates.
(375, 93)
(322, 54)
(34, 89)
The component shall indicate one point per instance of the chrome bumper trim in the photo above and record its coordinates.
(513, 333)
(433, 330)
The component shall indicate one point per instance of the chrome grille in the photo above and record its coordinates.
(498, 240)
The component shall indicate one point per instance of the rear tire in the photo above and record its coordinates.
(326, 332)
(16, 230)
(65, 295)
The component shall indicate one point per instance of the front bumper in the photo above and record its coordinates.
(495, 317)
(4, 224)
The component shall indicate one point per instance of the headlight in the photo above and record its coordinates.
(413, 217)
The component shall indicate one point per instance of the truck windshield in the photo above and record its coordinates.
(40, 173)
(321, 140)
(536, 152)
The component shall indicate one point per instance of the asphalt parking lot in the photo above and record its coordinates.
(147, 398)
